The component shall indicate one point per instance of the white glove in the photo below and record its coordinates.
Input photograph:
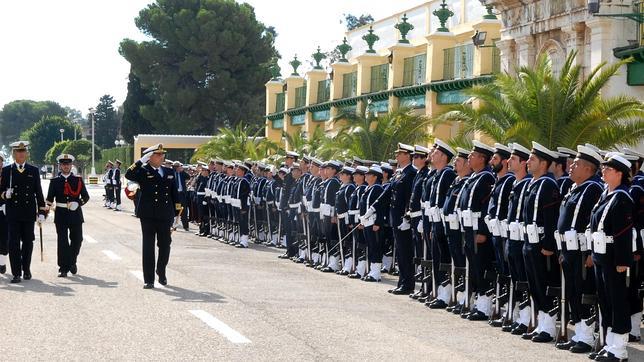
(146, 157)
(369, 212)
(204, 203)
(405, 225)
(41, 219)
(73, 206)
(420, 227)
(3, 209)
(8, 193)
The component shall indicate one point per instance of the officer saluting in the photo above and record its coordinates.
(21, 189)
(158, 205)
(66, 194)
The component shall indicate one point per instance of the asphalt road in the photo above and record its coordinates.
(224, 303)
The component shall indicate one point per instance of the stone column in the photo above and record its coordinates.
(272, 88)
(575, 40)
(526, 51)
(507, 49)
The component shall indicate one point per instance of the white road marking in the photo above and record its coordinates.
(221, 327)
(90, 239)
(112, 255)
(139, 275)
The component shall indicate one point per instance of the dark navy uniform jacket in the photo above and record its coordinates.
(565, 183)
(449, 206)
(342, 197)
(498, 204)
(27, 199)
(478, 189)
(368, 200)
(547, 191)
(159, 197)
(401, 189)
(618, 224)
(584, 197)
(64, 190)
(439, 187)
(415, 206)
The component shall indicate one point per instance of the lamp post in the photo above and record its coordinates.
(92, 114)
(62, 130)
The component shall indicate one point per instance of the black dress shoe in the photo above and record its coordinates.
(391, 291)
(520, 330)
(542, 337)
(402, 291)
(73, 269)
(632, 338)
(477, 316)
(299, 261)
(437, 304)
(528, 336)
(148, 286)
(581, 347)
(327, 269)
(394, 272)
(417, 295)
(458, 309)
(241, 246)
(283, 256)
(342, 272)
(565, 345)
(593, 355)
(62, 275)
(607, 356)
(509, 327)
(497, 322)
(3, 269)
(163, 280)
(16, 279)
(26, 275)
(369, 278)
(354, 276)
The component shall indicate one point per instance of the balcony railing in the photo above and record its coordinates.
(458, 62)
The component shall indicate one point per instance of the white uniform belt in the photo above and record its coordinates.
(315, 210)
(201, 193)
(414, 214)
(354, 212)
(341, 216)
(294, 206)
(62, 204)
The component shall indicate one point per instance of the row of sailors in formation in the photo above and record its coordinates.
(515, 236)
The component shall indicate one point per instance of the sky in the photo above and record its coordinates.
(67, 50)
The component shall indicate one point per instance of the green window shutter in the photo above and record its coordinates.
(279, 102)
(323, 91)
(349, 85)
(379, 77)
(419, 69)
(408, 71)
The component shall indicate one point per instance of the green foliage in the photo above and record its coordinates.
(376, 138)
(105, 122)
(565, 110)
(236, 143)
(125, 154)
(55, 150)
(206, 64)
(81, 150)
(45, 133)
(133, 122)
(353, 22)
(17, 116)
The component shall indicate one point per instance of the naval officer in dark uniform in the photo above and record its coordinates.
(20, 188)
(66, 194)
(158, 206)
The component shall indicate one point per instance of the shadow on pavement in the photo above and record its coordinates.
(187, 295)
(85, 280)
(37, 286)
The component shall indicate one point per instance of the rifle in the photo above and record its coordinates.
(337, 224)
(42, 257)
(562, 334)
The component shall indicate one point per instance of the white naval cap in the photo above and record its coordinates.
(543, 152)
(65, 157)
(462, 152)
(375, 170)
(567, 152)
(444, 147)
(420, 150)
(502, 150)
(361, 170)
(617, 161)
(481, 147)
(590, 155)
(404, 148)
(519, 150)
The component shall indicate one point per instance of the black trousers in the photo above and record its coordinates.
(405, 256)
(440, 252)
(21, 245)
(4, 236)
(499, 255)
(612, 293)
(184, 214)
(455, 244)
(109, 193)
(117, 194)
(577, 284)
(70, 238)
(634, 299)
(480, 257)
(243, 221)
(331, 236)
(516, 265)
(388, 241)
(159, 231)
(541, 271)
(375, 243)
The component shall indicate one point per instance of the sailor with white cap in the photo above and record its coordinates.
(372, 217)
(574, 216)
(116, 185)
(539, 209)
(560, 167)
(66, 194)
(388, 232)
(401, 189)
(611, 224)
(453, 230)
(437, 188)
(478, 246)
(518, 308)
(158, 206)
(109, 188)
(358, 244)
(415, 212)
(341, 205)
(497, 212)
(4, 247)
(20, 188)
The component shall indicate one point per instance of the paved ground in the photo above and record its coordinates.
(223, 303)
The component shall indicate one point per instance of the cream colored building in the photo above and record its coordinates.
(180, 147)
(426, 73)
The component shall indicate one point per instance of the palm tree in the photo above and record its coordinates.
(564, 110)
(376, 138)
(236, 143)
(316, 144)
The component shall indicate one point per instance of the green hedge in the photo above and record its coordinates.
(125, 154)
